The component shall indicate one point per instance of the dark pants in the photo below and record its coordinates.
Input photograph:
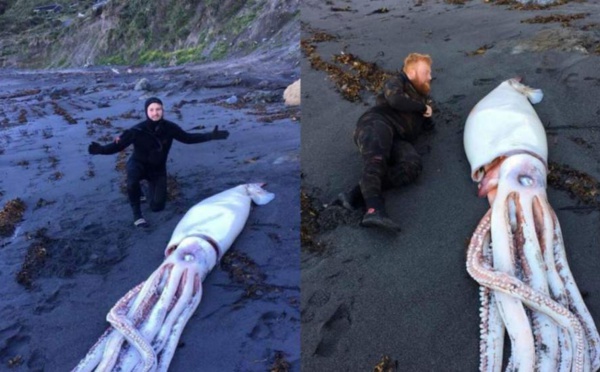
(157, 182)
(387, 161)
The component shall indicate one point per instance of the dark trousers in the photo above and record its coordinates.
(157, 190)
(387, 161)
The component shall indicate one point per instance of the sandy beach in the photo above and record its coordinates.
(75, 251)
(368, 294)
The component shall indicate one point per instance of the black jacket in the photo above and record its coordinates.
(152, 141)
(401, 107)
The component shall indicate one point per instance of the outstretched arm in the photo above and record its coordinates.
(125, 140)
(393, 91)
(185, 137)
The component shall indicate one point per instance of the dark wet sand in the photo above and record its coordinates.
(409, 296)
(95, 254)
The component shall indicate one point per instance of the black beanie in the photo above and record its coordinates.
(150, 101)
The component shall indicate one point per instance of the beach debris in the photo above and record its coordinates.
(103, 103)
(309, 225)
(142, 84)
(379, 11)
(245, 272)
(173, 189)
(291, 94)
(350, 74)
(481, 50)
(56, 176)
(15, 361)
(21, 93)
(22, 116)
(517, 253)
(102, 122)
(566, 39)
(10, 215)
(291, 113)
(62, 112)
(386, 365)
(36, 256)
(529, 4)
(579, 185)
(147, 322)
(280, 364)
(347, 8)
(455, 2)
(251, 160)
(232, 100)
(564, 19)
(42, 203)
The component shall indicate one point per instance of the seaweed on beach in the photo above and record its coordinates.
(350, 74)
(455, 2)
(579, 185)
(42, 203)
(242, 270)
(564, 19)
(22, 93)
(36, 256)
(386, 365)
(280, 364)
(62, 112)
(102, 122)
(516, 5)
(173, 189)
(309, 225)
(481, 50)
(290, 113)
(131, 114)
(379, 11)
(56, 176)
(10, 215)
(22, 116)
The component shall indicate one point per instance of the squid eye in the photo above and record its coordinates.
(189, 257)
(525, 181)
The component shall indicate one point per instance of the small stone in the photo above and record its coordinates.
(142, 84)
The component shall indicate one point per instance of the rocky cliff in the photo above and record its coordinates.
(39, 34)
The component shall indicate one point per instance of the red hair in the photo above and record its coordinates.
(414, 58)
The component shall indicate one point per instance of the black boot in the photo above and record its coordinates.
(377, 217)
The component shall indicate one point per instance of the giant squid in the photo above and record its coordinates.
(517, 253)
(147, 322)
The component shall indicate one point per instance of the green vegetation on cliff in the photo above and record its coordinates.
(138, 32)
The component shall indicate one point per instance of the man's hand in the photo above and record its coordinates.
(219, 134)
(95, 148)
(428, 112)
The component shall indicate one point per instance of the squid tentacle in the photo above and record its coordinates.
(510, 285)
(491, 326)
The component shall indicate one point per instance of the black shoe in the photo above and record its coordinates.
(378, 218)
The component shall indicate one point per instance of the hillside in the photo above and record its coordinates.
(42, 34)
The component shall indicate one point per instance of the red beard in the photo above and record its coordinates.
(423, 87)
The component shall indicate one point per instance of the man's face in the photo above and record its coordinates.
(420, 77)
(155, 111)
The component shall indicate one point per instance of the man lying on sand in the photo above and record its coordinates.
(384, 136)
(151, 139)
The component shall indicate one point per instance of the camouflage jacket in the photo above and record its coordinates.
(401, 107)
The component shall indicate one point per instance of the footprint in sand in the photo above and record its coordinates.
(333, 330)
(319, 298)
(264, 328)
